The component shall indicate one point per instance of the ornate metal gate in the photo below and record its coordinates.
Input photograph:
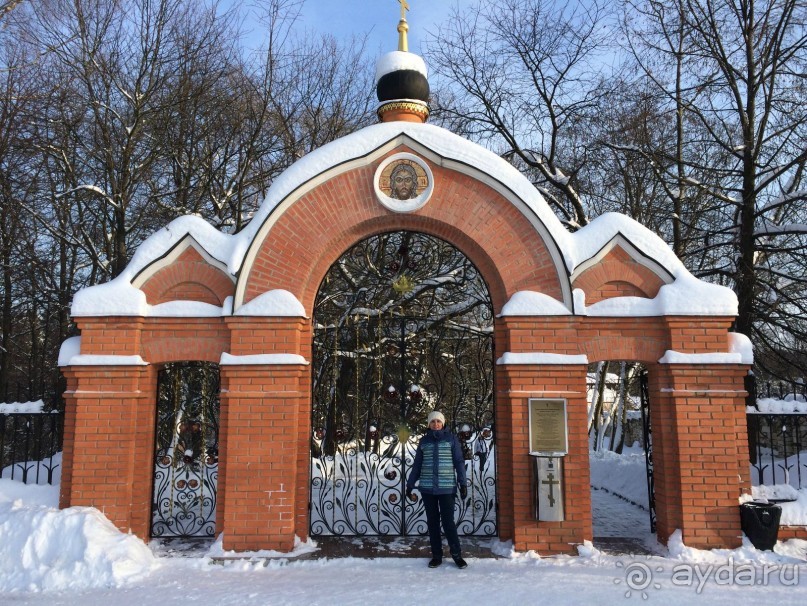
(187, 451)
(379, 369)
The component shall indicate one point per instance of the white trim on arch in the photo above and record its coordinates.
(620, 241)
(403, 139)
(188, 241)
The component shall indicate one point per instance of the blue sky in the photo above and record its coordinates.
(379, 18)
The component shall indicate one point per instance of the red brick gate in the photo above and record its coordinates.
(612, 291)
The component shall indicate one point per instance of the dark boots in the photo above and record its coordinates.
(435, 562)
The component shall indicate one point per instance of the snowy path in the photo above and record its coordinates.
(561, 581)
(91, 561)
(616, 517)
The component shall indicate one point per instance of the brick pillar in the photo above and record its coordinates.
(104, 406)
(260, 405)
(264, 425)
(700, 452)
(516, 384)
(68, 438)
(144, 430)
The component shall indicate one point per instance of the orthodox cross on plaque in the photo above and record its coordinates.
(551, 482)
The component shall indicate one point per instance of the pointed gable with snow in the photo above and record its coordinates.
(619, 269)
(186, 273)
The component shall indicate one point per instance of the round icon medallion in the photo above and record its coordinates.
(403, 183)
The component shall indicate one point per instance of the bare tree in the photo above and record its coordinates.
(7, 6)
(526, 77)
(261, 111)
(736, 69)
(120, 115)
(21, 317)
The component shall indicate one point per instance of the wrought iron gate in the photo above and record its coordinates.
(379, 371)
(186, 457)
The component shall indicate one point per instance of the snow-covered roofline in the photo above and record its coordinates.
(438, 145)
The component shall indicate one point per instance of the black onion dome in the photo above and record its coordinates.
(403, 84)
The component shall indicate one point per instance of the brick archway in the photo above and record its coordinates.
(194, 298)
(305, 234)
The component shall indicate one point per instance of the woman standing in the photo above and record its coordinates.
(437, 460)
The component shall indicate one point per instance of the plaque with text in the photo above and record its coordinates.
(548, 433)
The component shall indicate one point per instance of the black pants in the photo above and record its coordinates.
(440, 508)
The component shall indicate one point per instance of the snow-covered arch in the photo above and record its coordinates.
(331, 181)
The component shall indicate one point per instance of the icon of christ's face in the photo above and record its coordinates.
(403, 182)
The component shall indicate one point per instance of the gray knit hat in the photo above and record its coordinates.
(436, 414)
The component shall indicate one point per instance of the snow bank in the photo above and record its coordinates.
(93, 360)
(624, 475)
(276, 302)
(539, 357)
(22, 407)
(687, 296)
(777, 407)
(257, 359)
(794, 509)
(43, 548)
(793, 502)
(676, 357)
(116, 298)
(741, 344)
(29, 495)
(70, 347)
(530, 303)
(185, 309)
(785, 552)
(37, 473)
(300, 548)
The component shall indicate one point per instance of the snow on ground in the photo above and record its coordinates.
(75, 556)
(613, 516)
(624, 475)
(22, 407)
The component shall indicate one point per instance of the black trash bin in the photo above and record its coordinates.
(760, 523)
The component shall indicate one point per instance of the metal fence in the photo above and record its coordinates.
(776, 445)
(30, 447)
(777, 389)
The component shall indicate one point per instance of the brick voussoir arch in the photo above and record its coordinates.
(307, 232)
(185, 273)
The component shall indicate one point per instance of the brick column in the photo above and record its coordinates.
(105, 410)
(516, 384)
(259, 417)
(144, 431)
(700, 452)
(264, 424)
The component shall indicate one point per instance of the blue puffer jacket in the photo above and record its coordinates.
(438, 456)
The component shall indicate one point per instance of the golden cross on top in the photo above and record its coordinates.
(403, 27)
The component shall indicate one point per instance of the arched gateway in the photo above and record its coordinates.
(612, 290)
(403, 325)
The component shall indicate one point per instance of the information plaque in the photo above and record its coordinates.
(548, 435)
